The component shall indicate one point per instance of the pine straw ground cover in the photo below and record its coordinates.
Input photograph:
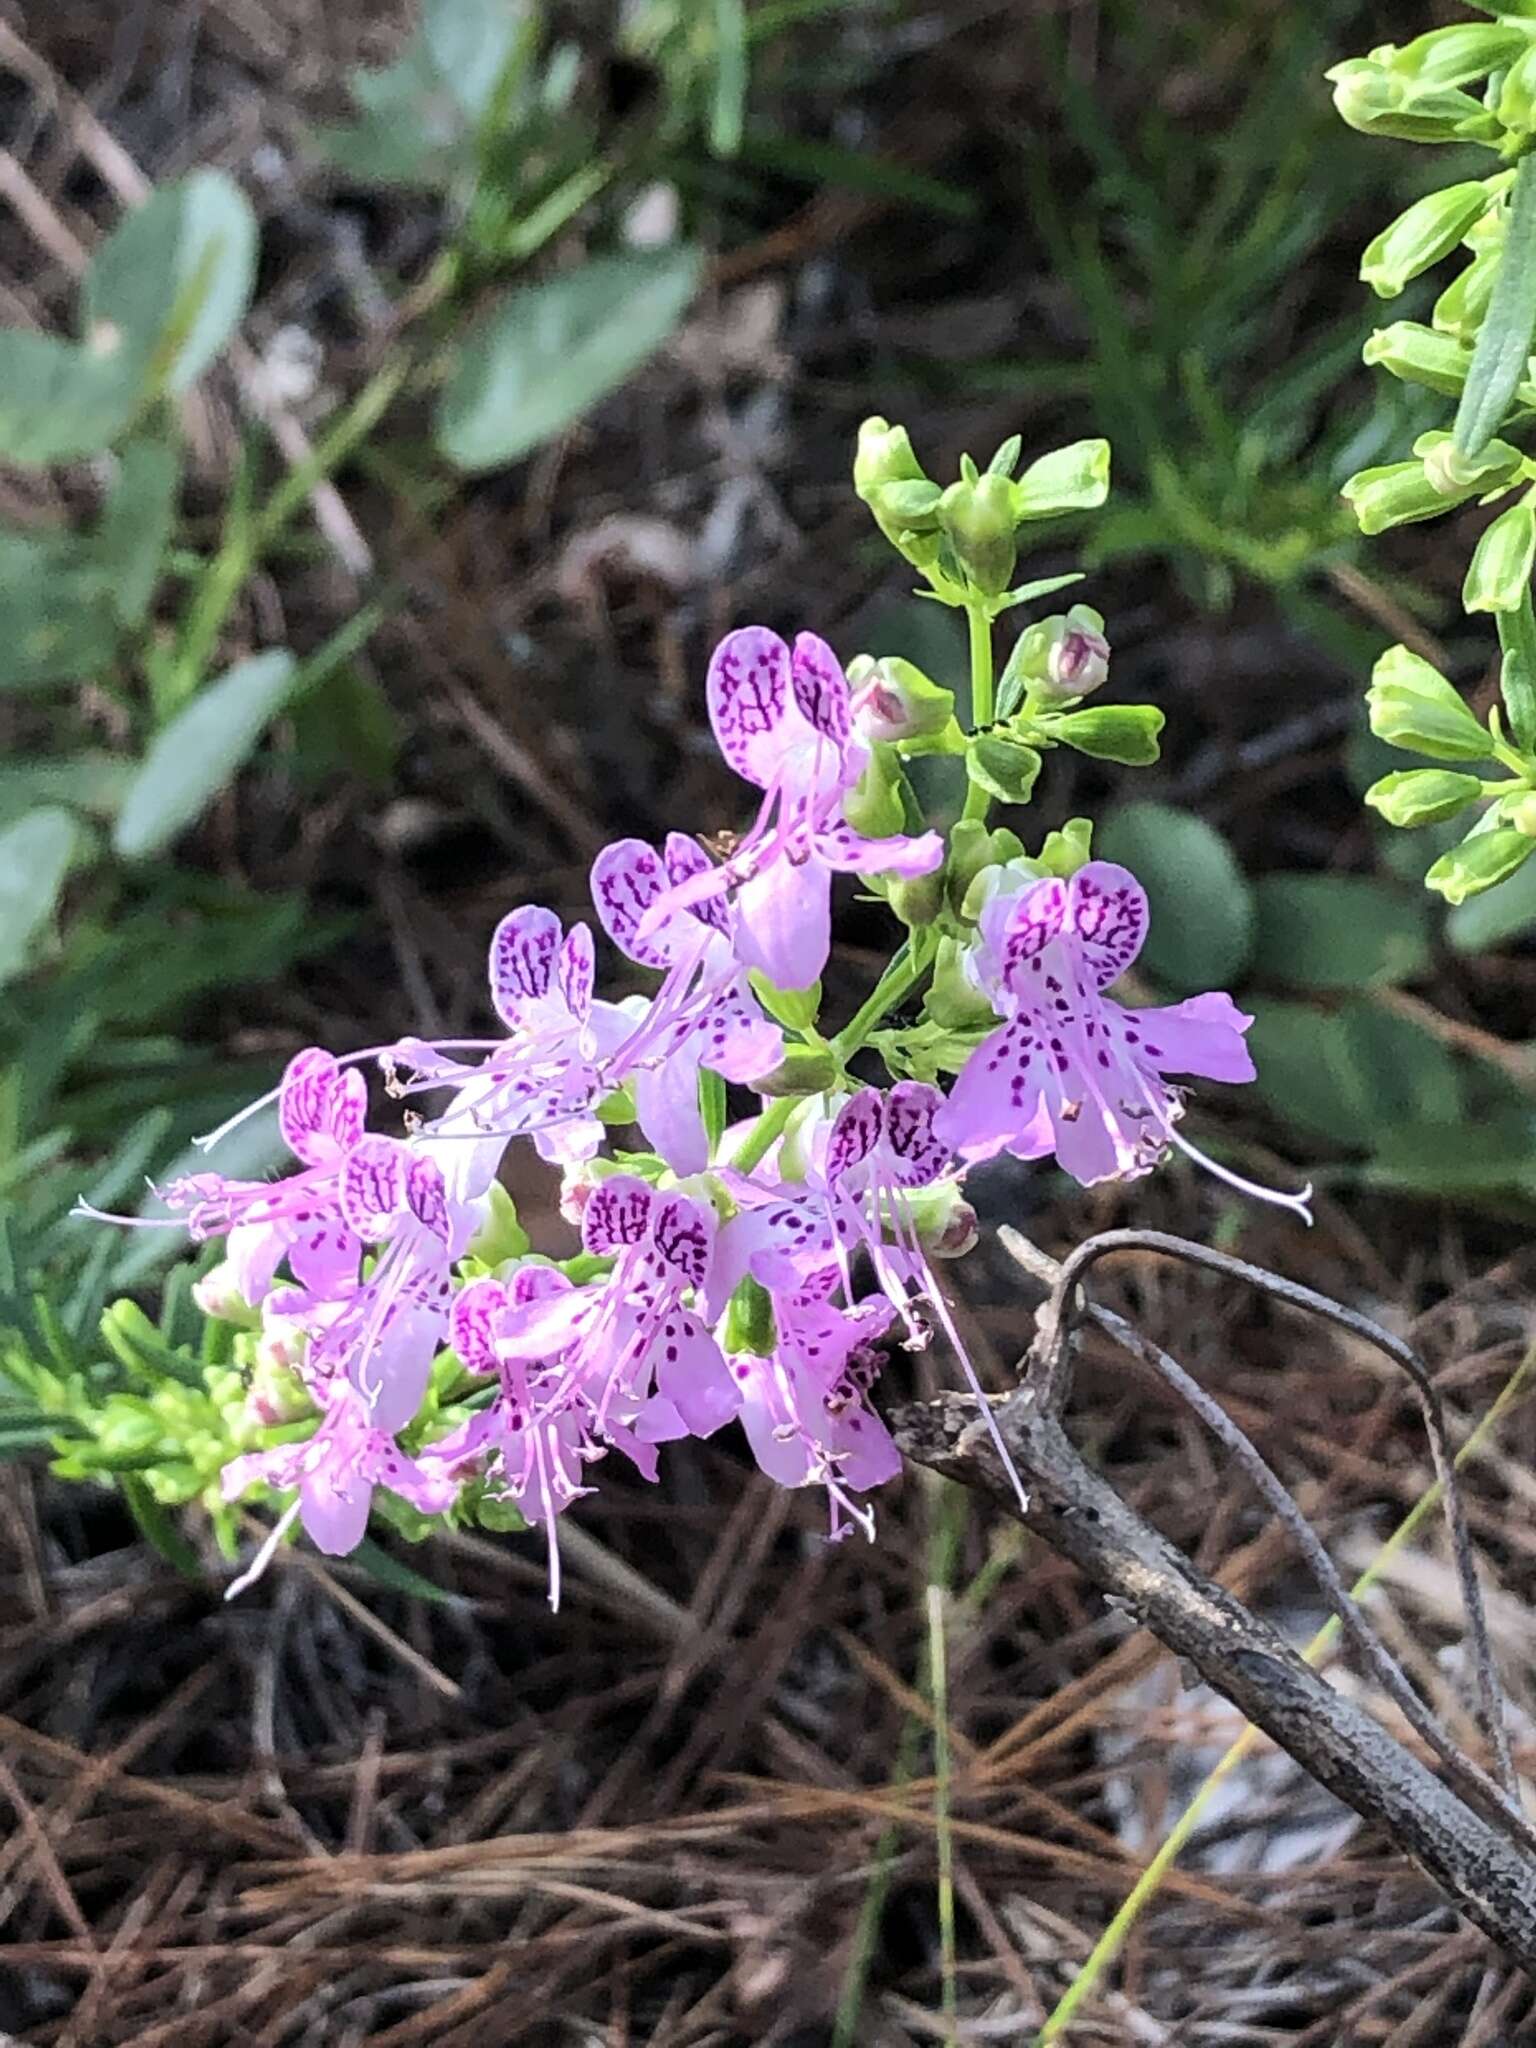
(345, 1810)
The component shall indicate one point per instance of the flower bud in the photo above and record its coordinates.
(953, 999)
(1517, 94)
(795, 1008)
(1126, 733)
(1462, 307)
(276, 1394)
(1452, 473)
(1063, 853)
(217, 1295)
(894, 700)
(1412, 705)
(749, 1322)
(873, 806)
(1370, 98)
(1421, 237)
(1422, 796)
(804, 1070)
(943, 1219)
(917, 899)
(978, 518)
(1396, 494)
(1500, 571)
(884, 456)
(1058, 659)
(1456, 55)
(1418, 355)
(971, 848)
(1522, 815)
(1481, 860)
(1070, 479)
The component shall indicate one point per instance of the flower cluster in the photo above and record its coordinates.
(755, 1273)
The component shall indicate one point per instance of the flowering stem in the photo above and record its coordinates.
(978, 800)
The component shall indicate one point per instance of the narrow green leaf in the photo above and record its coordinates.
(194, 756)
(1517, 680)
(35, 856)
(550, 351)
(157, 1528)
(730, 95)
(135, 529)
(1504, 341)
(388, 1570)
(712, 1106)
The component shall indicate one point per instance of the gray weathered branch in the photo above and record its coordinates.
(1476, 1857)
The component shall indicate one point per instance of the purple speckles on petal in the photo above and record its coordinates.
(321, 1106)
(684, 1234)
(373, 1187)
(821, 688)
(578, 971)
(1106, 912)
(855, 1133)
(685, 858)
(748, 689)
(1036, 920)
(523, 951)
(618, 1214)
(426, 1196)
(627, 878)
(475, 1313)
(920, 1156)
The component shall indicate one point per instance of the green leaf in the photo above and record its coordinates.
(158, 1529)
(56, 617)
(472, 44)
(203, 746)
(1127, 733)
(1005, 767)
(1350, 1075)
(91, 781)
(1071, 479)
(1201, 932)
(1487, 920)
(1517, 674)
(57, 401)
(1504, 342)
(712, 1106)
(1338, 931)
(390, 1571)
(550, 351)
(1499, 574)
(135, 529)
(730, 95)
(170, 285)
(1456, 1159)
(35, 856)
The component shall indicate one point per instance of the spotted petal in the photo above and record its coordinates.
(1106, 913)
(627, 879)
(476, 1309)
(321, 1106)
(855, 1133)
(373, 1184)
(919, 1154)
(617, 1215)
(524, 948)
(821, 688)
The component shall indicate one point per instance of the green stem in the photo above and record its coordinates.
(770, 1125)
(246, 542)
(1150, 1881)
(978, 801)
(903, 974)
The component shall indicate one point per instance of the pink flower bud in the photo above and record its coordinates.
(1079, 662)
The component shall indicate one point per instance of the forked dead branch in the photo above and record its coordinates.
(1467, 1832)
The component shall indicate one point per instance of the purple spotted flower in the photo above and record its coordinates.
(545, 1077)
(378, 1335)
(633, 1352)
(300, 1218)
(704, 1013)
(335, 1471)
(532, 1443)
(804, 1406)
(1070, 1071)
(782, 719)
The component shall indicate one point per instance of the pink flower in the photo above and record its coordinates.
(633, 1352)
(321, 1108)
(335, 1471)
(804, 1406)
(704, 1013)
(1072, 1072)
(782, 719)
(379, 1335)
(532, 1442)
(545, 1077)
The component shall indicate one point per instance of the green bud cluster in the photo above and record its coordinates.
(1472, 83)
(1414, 707)
(964, 536)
